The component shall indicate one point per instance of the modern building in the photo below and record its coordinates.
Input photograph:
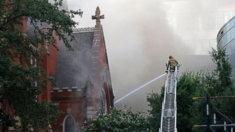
(197, 22)
(226, 40)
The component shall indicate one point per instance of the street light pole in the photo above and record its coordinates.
(214, 119)
(225, 129)
(207, 113)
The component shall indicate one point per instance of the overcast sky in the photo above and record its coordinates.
(139, 41)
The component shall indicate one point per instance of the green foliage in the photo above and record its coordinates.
(20, 81)
(119, 121)
(187, 85)
(155, 103)
(216, 83)
(220, 79)
(127, 121)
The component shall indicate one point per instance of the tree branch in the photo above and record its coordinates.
(11, 19)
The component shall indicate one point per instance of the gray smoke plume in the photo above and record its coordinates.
(139, 41)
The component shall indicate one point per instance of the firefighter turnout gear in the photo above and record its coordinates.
(172, 63)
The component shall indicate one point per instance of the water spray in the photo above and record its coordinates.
(139, 88)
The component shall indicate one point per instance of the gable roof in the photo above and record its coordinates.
(72, 68)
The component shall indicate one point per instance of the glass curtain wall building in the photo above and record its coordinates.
(195, 24)
(226, 40)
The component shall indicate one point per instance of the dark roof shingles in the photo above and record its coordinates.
(72, 68)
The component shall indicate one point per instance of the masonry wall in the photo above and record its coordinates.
(71, 102)
(83, 103)
(49, 65)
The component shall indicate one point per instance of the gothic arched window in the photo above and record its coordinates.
(69, 124)
(103, 102)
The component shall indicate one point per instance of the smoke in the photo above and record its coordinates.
(139, 41)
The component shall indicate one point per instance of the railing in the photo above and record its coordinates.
(88, 29)
(163, 103)
(169, 111)
(175, 100)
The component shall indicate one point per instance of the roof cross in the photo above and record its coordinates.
(97, 17)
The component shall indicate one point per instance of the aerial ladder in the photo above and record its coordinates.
(169, 105)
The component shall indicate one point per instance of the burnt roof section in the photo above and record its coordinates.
(72, 68)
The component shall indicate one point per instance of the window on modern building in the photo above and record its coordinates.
(232, 33)
(69, 124)
(232, 43)
(228, 49)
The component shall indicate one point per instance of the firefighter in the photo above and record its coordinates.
(172, 63)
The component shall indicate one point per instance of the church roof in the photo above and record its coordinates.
(72, 68)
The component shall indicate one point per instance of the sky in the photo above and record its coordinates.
(139, 41)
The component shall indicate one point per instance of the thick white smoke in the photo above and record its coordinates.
(139, 41)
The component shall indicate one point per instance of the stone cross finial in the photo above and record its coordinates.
(97, 17)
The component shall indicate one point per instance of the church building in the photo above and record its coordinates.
(83, 83)
(82, 76)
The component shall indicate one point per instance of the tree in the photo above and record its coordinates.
(220, 79)
(124, 120)
(119, 121)
(20, 81)
(216, 83)
(186, 88)
(155, 103)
